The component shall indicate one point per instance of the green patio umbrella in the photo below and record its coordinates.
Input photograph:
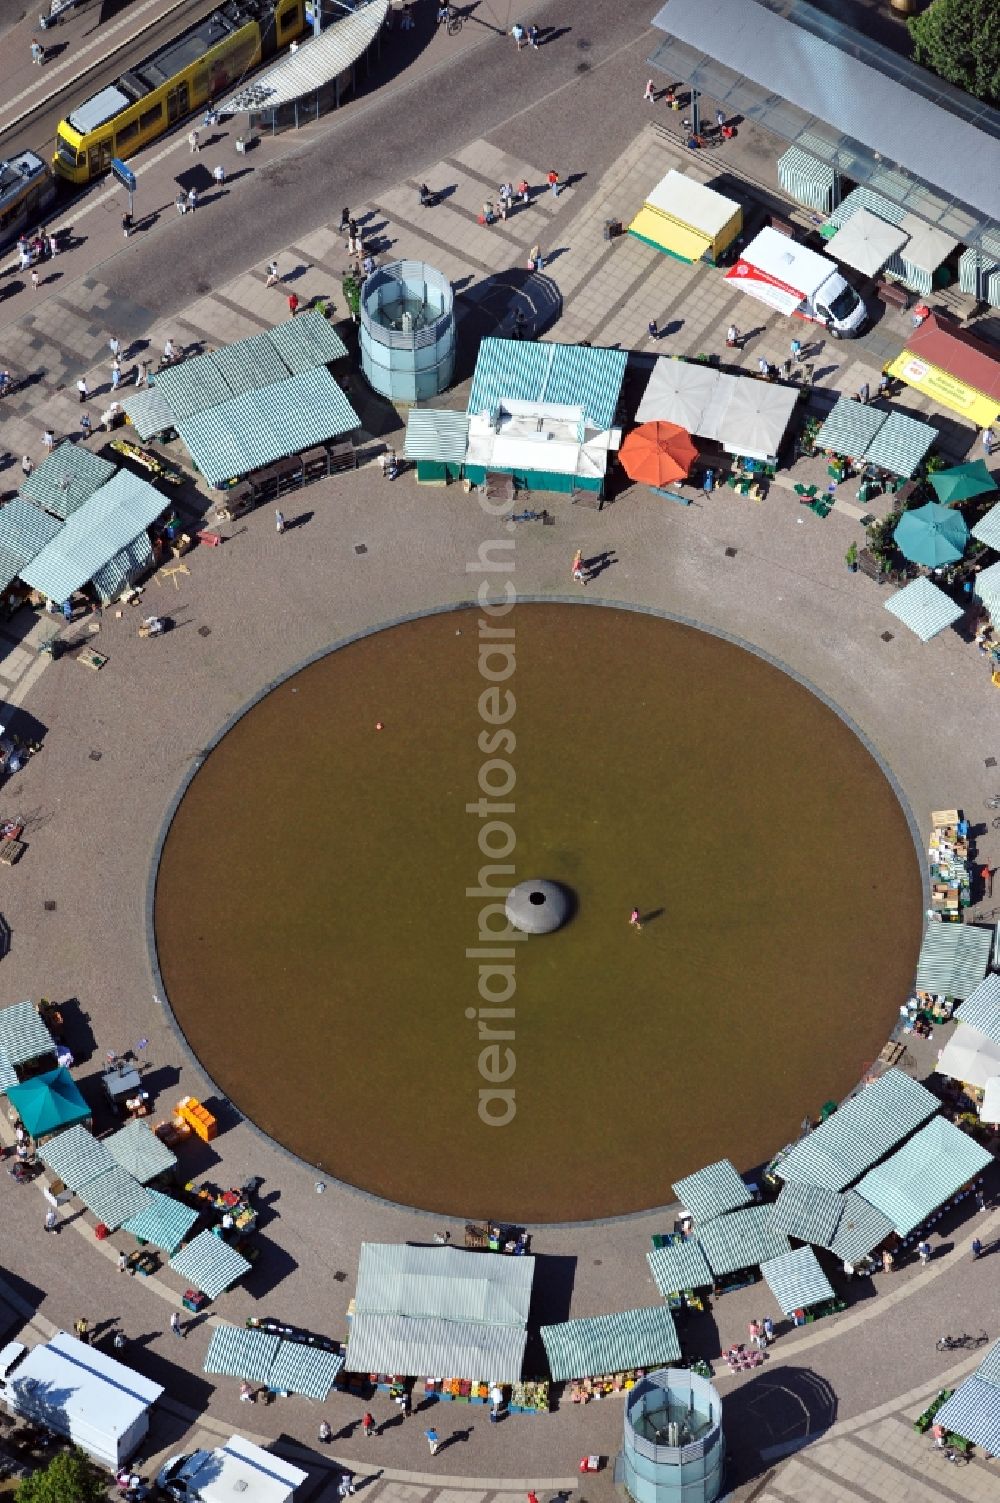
(963, 482)
(931, 535)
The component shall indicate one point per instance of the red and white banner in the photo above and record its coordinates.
(762, 284)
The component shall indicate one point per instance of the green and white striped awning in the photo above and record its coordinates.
(981, 1009)
(306, 341)
(109, 521)
(24, 531)
(860, 1132)
(900, 444)
(438, 434)
(248, 432)
(953, 959)
(527, 370)
(712, 1191)
(616, 1343)
(987, 529)
(850, 428)
(249, 364)
(973, 1411)
(919, 1177)
(209, 1264)
(796, 1280)
(860, 1228)
(681, 1265)
(149, 412)
(808, 1212)
(164, 1221)
(137, 1148)
(309, 1370)
(76, 1157)
(124, 568)
(23, 1035)
(979, 271)
(989, 1368)
(240, 1352)
(192, 386)
(809, 181)
(66, 479)
(8, 1074)
(987, 590)
(114, 1197)
(924, 608)
(742, 1239)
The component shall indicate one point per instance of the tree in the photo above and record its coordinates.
(70, 1477)
(959, 40)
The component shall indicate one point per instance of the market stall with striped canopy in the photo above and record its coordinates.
(24, 1038)
(678, 1263)
(711, 1191)
(76, 1157)
(797, 1281)
(163, 1221)
(924, 1174)
(737, 1243)
(924, 608)
(210, 1264)
(114, 1197)
(859, 1132)
(241, 1352)
(810, 1213)
(812, 183)
(611, 1344)
(953, 959)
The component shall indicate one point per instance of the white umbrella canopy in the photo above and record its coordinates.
(757, 416)
(678, 391)
(969, 1056)
(866, 242)
(990, 1109)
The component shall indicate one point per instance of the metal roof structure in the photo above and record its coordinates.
(809, 1212)
(114, 1197)
(250, 431)
(66, 478)
(923, 1174)
(711, 1191)
(137, 1148)
(987, 529)
(163, 1221)
(23, 1035)
(874, 116)
(925, 609)
(309, 1370)
(107, 522)
(527, 370)
(24, 532)
(209, 1264)
(680, 1265)
(436, 433)
(973, 1411)
(859, 1132)
(240, 1352)
(316, 63)
(616, 1343)
(76, 1157)
(953, 959)
(796, 1280)
(741, 1239)
(981, 1008)
(860, 1228)
(47, 1102)
(901, 444)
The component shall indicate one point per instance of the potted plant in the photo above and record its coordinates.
(352, 295)
(851, 557)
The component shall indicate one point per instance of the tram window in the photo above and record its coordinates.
(126, 134)
(150, 117)
(288, 18)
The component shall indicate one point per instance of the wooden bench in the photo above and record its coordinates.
(783, 226)
(888, 292)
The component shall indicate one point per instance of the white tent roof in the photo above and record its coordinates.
(677, 392)
(928, 246)
(747, 416)
(692, 203)
(990, 1109)
(757, 416)
(969, 1056)
(866, 242)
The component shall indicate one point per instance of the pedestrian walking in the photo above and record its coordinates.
(345, 220)
(175, 1323)
(670, 99)
(116, 375)
(977, 1246)
(81, 1328)
(425, 196)
(488, 211)
(924, 1251)
(532, 35)
(368, 264)
(532, 1496)
(517, 32)
(37, 52)
(763, 365)
(980, 1198)
(864, 392)
(118, 1341)
(888, 1261)
(352, 228)
(754, 1330)
(325, 1434)
(345, 1487)
(524, 193)
(34, 279)
(535, 258)
(279, 522)
(407, 22)
(405, 1401)
(795, 348)
(169, 352)
(768, 1328)
(49, 439)
(732, 337)
(194, 141)
(368, 1423)
(123, 1262)
(654, 332)
(986, 872)
(496, 1402)
(219, 173)
(552, 178)
(81, 387)
(26, 465)
(126, 224)
(141, 372)
(192, 201)
(576, 568)
(432, 1440)
(52, 1221)
(53, 245)
(649, 97)
(720, 120)
(181, 203)
(273, 276)
(247, 1395)
(989, 442)
(86, 426)
(293, 302)
(634, 919)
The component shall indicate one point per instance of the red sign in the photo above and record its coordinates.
(743, 270)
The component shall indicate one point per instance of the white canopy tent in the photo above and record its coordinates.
(928, 246)
(990, 1109)
(757, 416)
(744, 415)
(866, 242)
(677, 392)
(969, 1056)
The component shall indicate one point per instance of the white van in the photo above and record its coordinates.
(238, 1472)
(798, 282)
(75, 1390)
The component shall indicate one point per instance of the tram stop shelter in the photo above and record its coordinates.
(48, 1103)
(953, 367)
(953, 959)
(973, 1411)
(597, 1344)
(796, 1280)
(440, 1310)
(926, 1172)
(860, 1132)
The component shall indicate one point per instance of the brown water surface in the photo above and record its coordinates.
(312, 919)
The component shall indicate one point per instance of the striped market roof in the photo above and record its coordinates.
(711, 1191)
(315, 64)
(989, 1368)
(981, 1009)
(8, 1074)
(900, 444)
(436, 1348)
(987, 589)
(66, 478)
(248, 432)
(953, 959)
(444, 1282)
(149, 412)
(611, 1343)
(860, 1228)
(307, 340)
(76, 1157)
(128, 564)
(436, 433)
(742, 1239)
(858, 1133)
(532, 371)
(987, 529)
(238, 1352)
(681, 1265)
(23, 1035)
(924, 608)
(137, 1148)
(850, 428)
(111, 519)
(163, 1221)
(808, 1212)
(973, 1411)
(796, 1280)
(192, 386)
(114, 1197)
(923, 1174)
(24, 532)
(309, 1370)
(249, 364)
(209, 1264)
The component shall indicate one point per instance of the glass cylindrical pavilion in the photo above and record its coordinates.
(407, 317)
(674, 1451)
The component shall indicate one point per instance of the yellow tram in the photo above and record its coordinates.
(183, 75)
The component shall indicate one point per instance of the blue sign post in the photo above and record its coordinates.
(125, 176)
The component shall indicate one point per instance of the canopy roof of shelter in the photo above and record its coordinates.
(981, 1008)
(23, 1035)
(436, 433)
(616, 1343)
(210, 1264)
(859, 1132)
(796, 1280)
(926, 610)
(137, 1148)
(953, 959)
(110, 520)
(742, 1239)
(541, 371)
(316, 62)
(923, 1174)
(712, 1190)
(66, 478)
(679, 1265)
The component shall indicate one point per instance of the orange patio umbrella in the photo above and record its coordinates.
(658, 453)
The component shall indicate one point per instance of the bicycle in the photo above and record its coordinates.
(453, 25)
(964, 1343)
